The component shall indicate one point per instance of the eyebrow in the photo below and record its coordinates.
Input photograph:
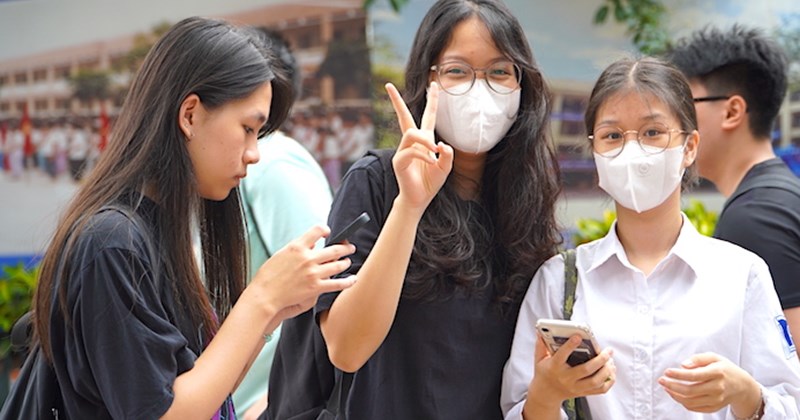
(650, 117)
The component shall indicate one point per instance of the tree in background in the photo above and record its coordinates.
(788, 36)
(90, 85)
(644, 21)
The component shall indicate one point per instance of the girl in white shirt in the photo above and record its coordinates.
(693, 323)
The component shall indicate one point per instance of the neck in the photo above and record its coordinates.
(748, 153)
(647, 237)
(468, 170)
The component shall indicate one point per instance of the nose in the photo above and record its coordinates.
(635, 132)
(251, 153)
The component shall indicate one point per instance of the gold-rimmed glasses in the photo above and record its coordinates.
(652, 137)
(457, 78)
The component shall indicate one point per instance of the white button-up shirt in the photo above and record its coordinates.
(706, 295)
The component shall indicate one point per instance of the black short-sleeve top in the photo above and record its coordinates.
(125, 342)
(441, 359)
(766, 221)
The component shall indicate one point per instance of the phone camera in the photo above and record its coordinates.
(547, 330)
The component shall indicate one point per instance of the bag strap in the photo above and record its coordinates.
(341, 389)
(576, 408)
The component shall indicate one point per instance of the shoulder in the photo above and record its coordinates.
(113, 228)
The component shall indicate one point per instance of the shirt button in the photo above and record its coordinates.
(643, 309)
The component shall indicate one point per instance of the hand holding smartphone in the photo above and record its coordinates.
(350, 229)
(556, 332)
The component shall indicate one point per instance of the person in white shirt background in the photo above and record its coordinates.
(693, 323)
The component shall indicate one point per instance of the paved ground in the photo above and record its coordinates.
(29, 209)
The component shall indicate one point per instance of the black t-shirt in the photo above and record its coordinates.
(122, 349)
(766, 221)
(440, 360)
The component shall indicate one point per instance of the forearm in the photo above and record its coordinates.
(360, 318)
(200, 391)
(750, 402)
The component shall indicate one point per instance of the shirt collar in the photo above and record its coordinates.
(685, 248)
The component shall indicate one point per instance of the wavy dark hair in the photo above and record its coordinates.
(498, 245)
(220, 63)
(646, 75)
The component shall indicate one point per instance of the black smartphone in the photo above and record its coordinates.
(350, 229)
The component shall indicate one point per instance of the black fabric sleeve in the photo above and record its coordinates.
(122, 349)
(362, 190)
(766, 222)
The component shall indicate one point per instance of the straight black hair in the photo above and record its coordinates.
(220, 63)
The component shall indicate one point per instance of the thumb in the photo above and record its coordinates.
(540, 351)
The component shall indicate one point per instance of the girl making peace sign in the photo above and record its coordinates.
(461, 219)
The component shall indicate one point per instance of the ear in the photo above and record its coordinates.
(188, 113)
(735, 112)
(690, 149)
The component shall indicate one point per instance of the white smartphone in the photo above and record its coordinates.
(556, 332)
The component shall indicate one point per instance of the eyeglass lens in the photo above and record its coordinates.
(457, 78)
(653, 138)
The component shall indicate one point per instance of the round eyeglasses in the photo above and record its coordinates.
(652, 137)
(457, 77)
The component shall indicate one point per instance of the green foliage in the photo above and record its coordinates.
(644, 21)
(396, 4)
(88, 85)
(142, 43)
(347, 62)
(703, 220)
(589, 229)
(788, 36)
(17, 285)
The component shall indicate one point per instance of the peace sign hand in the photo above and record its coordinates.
(420, 173)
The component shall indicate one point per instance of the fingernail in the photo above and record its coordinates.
(687, 363)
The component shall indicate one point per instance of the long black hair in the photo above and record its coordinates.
(220, 63)
(498, 246)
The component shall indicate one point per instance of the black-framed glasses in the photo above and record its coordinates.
(652, 137)
(457, 77)
(711, 98)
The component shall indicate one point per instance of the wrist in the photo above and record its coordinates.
(751, 414)
(402, 207)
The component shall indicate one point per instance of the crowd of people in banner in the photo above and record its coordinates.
(335, 139)
(55, 147)
(70, 145)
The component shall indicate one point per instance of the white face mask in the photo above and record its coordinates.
(477, 120)
(637, 180)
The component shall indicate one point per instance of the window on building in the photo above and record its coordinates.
(3, 79)
(5, 107)
(40, 75)
(20, 106)
(794, 96)
(62, 72)
(795, 119)
(40, 105)
(63, 104)
(571, 116)
(21, 78)
(90, 64)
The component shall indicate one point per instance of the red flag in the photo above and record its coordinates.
(103, 128)
(3, 133)
(25, 126)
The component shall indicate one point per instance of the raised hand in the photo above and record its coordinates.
(420, 173)
(291, 280)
